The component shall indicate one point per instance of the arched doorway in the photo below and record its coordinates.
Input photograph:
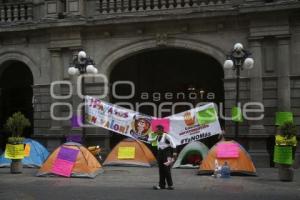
(168, 75)
(16, 82)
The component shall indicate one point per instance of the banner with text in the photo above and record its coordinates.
(117, 119)
(184, 127)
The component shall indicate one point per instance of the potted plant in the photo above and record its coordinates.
(284, 155)
(16, 125)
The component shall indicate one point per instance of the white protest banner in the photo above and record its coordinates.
(184, 127)
(117, 119)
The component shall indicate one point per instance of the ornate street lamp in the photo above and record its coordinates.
(82, 64)
(237, 60)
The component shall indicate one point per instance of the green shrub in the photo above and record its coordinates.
(288, 129)
(16, 124)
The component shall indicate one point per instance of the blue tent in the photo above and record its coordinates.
(38, 154)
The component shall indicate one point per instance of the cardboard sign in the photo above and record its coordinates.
(283, 155)
(62, 167)
(67, 154)
(236, 114)
(207, 116)
(227, 150)
(27, 150)
(282, 117)
(14, 151)
(163, 122)
(126, 153)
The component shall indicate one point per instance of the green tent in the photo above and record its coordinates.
(191, 152)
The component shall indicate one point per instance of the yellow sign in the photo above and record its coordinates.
(126, 153)
(14, 151)
(27, 150)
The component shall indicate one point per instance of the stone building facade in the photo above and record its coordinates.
(43, 35)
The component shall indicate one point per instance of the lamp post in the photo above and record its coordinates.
(82, 64)
(237, 60)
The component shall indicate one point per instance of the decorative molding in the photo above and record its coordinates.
(19, 56)
(161, 39)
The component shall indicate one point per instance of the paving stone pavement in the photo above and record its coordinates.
(122, 183)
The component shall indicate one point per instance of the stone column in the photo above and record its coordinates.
(257, 138)
(256, 84)
(56, 73)
(283, 71)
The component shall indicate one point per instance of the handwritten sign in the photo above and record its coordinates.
(14, 151)
(67, 154)
(227, 150)
(126, 153)
(283, 117)
(165, 123)
(283, 155)
(62, 167)
(27, 150)
(207, 116)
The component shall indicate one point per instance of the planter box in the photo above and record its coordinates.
(285, 172)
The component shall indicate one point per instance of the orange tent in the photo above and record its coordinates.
(130, 152)
(239, 164)
(86, 165)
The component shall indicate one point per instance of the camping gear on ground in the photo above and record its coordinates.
(72, 160)
(231, 152)
(34, 155)
(191, 155)
(217, 171)
(96, 150)
(225, 171)
(130, 152)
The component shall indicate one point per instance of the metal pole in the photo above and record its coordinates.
(83, 112)
(237, 98)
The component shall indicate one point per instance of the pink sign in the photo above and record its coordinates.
(227, 150)
(62, 167)
(160, 121)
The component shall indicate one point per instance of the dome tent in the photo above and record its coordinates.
(85, 165)
(140, 155)
(241, 164)
(195, 149)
